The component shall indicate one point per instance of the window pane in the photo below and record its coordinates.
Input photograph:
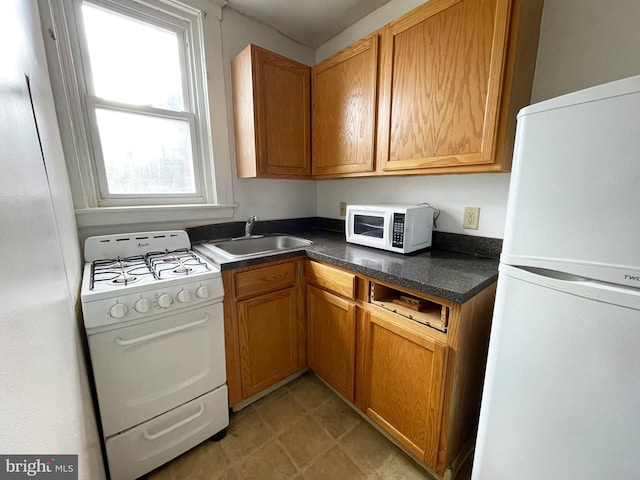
(145, 154)
(133, 62)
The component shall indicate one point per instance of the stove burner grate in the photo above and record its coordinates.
(119, 271)
(177, 262)
(161, 264)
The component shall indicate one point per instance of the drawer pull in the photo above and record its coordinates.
(161, 333)
(162, 433)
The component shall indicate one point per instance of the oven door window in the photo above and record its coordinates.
(371, 226)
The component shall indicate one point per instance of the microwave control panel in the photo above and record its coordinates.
(398, 230)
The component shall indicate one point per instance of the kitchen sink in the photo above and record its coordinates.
(255, 246)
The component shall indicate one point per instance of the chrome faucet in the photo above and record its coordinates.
(249, 225)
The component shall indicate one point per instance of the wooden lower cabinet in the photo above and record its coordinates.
(404, 380)
(265, 334)
(267, 331)
(331, 349)
(421, 384)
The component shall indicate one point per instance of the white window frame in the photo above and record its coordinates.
(207, 102)
(110, 199)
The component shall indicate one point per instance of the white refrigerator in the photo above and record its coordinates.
(562, 390)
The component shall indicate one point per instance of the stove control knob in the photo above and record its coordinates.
(119, 310)
(164, 300)
(142, 306)
(202, 292)
(184, 296)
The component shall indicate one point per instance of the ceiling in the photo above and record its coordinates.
(309, 22)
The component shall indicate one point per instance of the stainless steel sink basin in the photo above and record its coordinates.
(255, 246)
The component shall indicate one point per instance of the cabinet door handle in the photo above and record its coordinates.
(161, 333)
(162, 433)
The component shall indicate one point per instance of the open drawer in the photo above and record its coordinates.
(411, 306)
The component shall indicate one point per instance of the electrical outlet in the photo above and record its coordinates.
(343, 209)
(471, 218)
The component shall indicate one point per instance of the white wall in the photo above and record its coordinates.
(449, 193)
(268, 199)
(376, 19)
(585, 43)
(45, 406)
(582, 43)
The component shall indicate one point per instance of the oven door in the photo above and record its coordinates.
(368, 226)
(146, 369)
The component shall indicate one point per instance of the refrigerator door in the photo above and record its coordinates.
(574, 197)
(563, 381)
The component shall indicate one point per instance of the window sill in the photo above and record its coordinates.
(141, 215)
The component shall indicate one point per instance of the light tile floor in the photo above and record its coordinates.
(300, 431)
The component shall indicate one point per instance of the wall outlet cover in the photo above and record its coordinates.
(343, 209)
(471, 218)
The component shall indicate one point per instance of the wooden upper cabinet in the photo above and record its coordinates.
(271, 105)
(435, 91)
(344, 93)
(454, 73)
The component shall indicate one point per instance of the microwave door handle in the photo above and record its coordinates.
(388, 234)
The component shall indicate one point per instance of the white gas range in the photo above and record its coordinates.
(153, 316)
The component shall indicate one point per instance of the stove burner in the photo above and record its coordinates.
(182, 269)
(124, 278)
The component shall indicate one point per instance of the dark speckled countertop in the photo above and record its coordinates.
(450, 275)
(445, 274)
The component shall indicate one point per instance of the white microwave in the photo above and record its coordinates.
(398, 228)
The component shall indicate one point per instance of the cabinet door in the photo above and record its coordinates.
(332, 339)
(404, 382)
(267, 331)
(441, 85)
(272, 119)
(344, 90)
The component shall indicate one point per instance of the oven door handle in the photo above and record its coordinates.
(161, 333)
(162, 433)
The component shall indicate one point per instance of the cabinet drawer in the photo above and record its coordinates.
(332, 279)
(267, 279)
